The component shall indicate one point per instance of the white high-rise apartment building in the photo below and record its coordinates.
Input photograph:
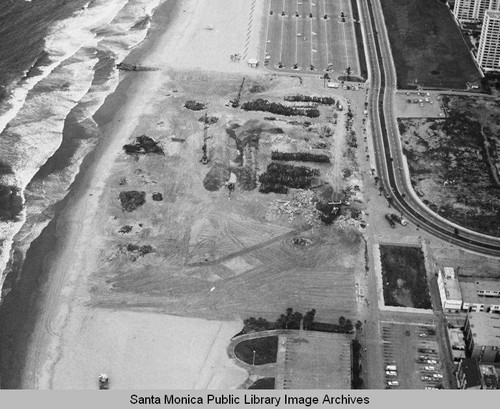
(488, 54)
(473, 10)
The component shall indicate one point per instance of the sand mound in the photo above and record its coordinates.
(216, 177)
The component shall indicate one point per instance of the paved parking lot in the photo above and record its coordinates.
(300, 38)
(411, 356)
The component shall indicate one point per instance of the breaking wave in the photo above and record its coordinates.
(51, 108)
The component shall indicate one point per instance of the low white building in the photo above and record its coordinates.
(253, 62)
(449, 290)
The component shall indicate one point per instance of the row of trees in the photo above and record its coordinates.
(291, 320)
(308, 98)
(279, 109)
(300, 156)
(280, 174)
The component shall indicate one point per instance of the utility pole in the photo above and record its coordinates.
(204, 158)
(325, 77)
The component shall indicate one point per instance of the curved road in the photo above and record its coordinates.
(388, 153)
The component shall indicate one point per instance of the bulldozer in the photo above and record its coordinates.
(103, 381)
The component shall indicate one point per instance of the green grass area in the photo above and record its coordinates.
(404, 277)
(266, 349)
(264, 383)
(427, 45)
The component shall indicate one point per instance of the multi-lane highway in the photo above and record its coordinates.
(390, 160)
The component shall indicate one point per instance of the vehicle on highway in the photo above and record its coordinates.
(393, 383)
(397, 218)
(391, 222)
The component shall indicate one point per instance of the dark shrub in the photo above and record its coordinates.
(300, 156)
(132, 200)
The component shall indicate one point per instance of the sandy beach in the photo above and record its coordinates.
(73, 340)
(152, 294)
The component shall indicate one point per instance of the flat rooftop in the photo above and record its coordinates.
(470, 290)
(451, 285)
(493, 13)
(456, 338)
(486, 328)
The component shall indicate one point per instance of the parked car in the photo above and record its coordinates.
(393, 383)
(391, 373)
(430, 368)
(390, 368)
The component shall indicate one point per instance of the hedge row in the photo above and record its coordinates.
(300, 156)
(279, 109)
(279, 177)
(307, 98)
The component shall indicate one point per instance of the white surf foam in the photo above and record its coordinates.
(105, 26)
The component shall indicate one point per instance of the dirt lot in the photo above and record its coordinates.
(413, 104)
(427, 47)
(213, 257)
(454, 162)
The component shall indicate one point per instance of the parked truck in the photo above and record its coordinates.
(389, 219)
(399, 219)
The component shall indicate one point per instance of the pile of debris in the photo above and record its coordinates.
(134, 67)
(347, 223)
(143, 145)
(280, 138)
(135, 251)
(301, 241)
(195, 106)
(302, 203)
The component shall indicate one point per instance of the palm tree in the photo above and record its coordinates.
(358, 325)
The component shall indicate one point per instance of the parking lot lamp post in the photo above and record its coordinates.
(253, 360)
(325, 77)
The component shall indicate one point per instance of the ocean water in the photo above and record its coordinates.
(57, 66)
